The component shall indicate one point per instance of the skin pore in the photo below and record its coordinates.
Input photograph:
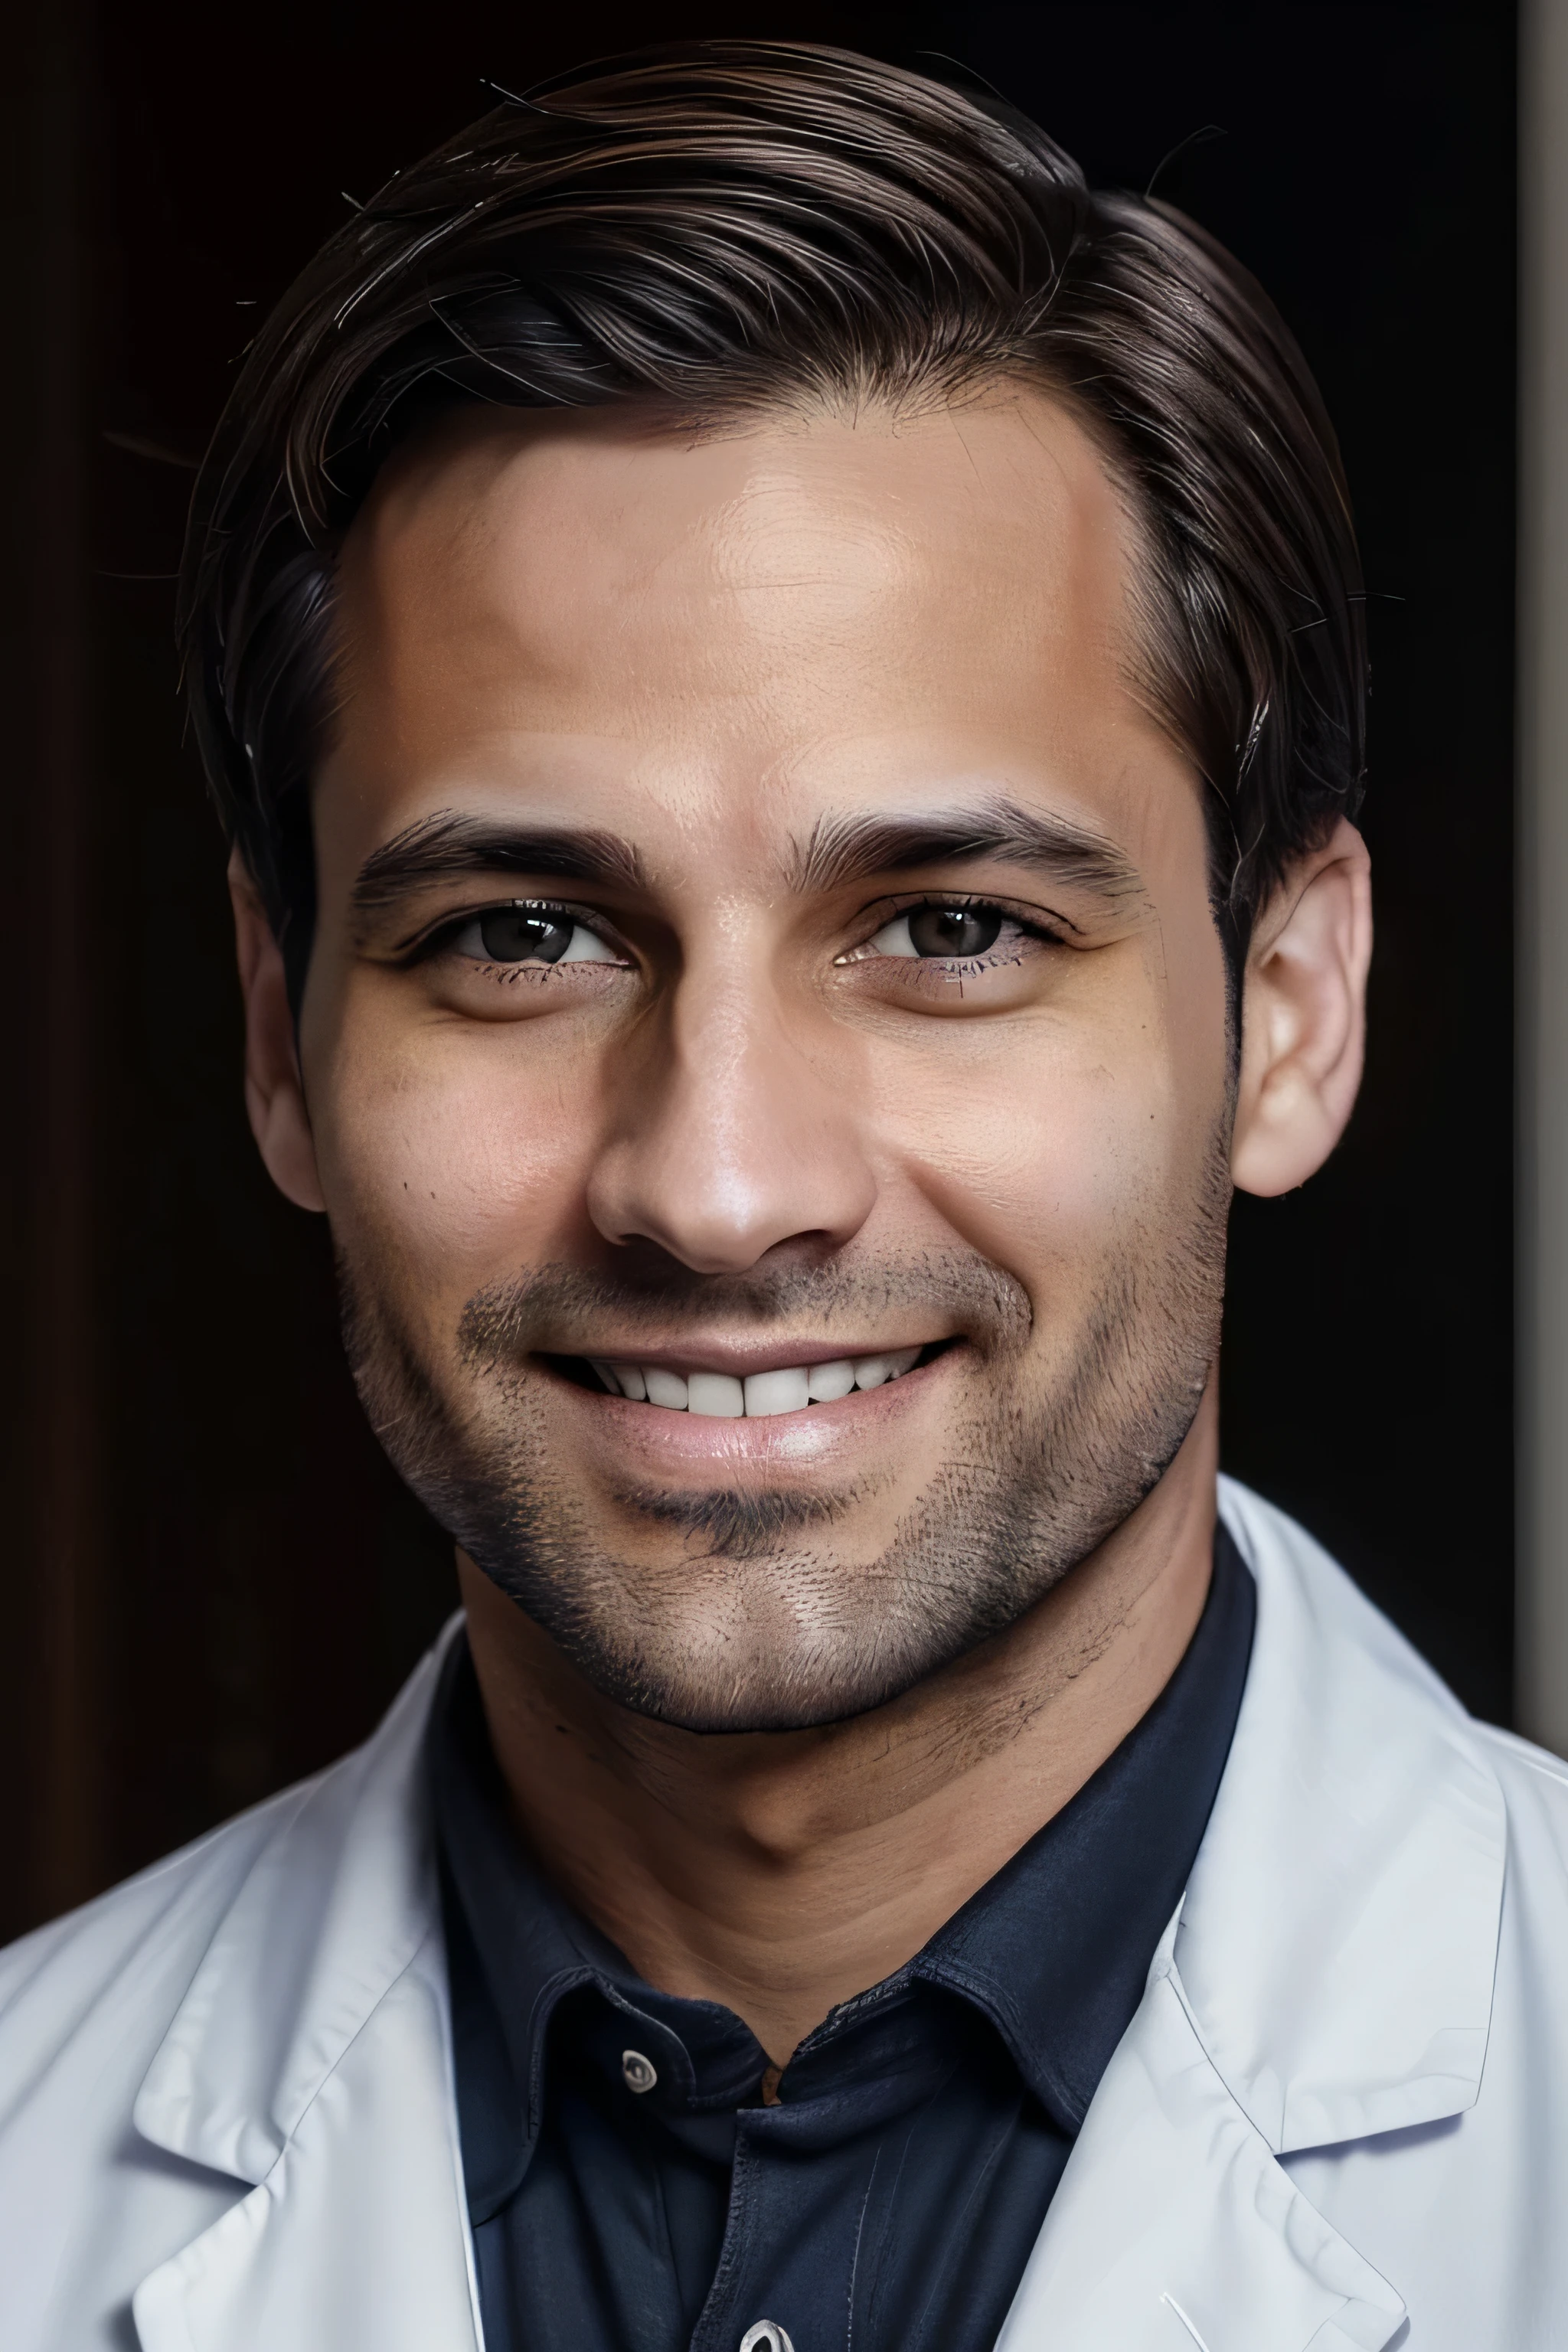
(761, 927)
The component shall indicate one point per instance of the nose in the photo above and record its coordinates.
(731, 1135)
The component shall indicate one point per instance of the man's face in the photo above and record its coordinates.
(761, 936)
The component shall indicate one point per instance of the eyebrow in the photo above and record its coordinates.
(839, 850)
(439, 848)
(843, 849)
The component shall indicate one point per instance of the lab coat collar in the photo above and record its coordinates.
(328, 1920)
(1329, 1975)
(312, 2056)
(333, 1913)
(1337, 1943)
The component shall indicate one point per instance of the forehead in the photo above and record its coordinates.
(813, 603)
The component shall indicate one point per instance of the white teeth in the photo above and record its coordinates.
(717, 1394)
(721, 1397)
(777, 1392)
(870, 1372)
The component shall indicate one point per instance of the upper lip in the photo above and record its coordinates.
(741, 1357)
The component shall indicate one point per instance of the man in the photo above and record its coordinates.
(787, 688)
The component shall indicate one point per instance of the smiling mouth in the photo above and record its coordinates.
(725, 1396)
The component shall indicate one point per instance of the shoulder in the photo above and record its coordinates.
(1394, 1690)
(1535, 1786)
(110, 1975)
(85, 2208)
(154, 2044)
(1377, 1730)
(1529, 2015)
(130, 1957)
(1537, 1780)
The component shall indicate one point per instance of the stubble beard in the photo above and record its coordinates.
(757, 1620)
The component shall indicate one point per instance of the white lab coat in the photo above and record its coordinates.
(1340, 2116)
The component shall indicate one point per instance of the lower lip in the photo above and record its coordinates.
(657, 1435)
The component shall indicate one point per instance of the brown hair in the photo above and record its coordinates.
(727, 224)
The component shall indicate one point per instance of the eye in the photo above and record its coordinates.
(931, 930)
(523, 933)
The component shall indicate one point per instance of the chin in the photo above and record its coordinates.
(726, 1644)
(781, 1696)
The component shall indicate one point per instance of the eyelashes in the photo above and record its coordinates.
(523, 934)
(928, 937)
(970, 935)
(519, 934)
(953, 937)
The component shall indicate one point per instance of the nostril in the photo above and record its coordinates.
(718, 1206)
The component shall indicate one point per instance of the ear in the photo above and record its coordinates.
(274, 1096)
(1303, 1030)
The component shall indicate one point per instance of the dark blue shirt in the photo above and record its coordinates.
(629, 2189)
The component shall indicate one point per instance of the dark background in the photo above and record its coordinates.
(211, 1582)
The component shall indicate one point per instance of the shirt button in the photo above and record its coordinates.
(767, 2336)
(641, 2074)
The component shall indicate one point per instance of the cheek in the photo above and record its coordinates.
(1054, 1153)
(453, 1153)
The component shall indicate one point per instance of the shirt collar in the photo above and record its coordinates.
(1056, 1948)
(517, 1949)
(1053, 1950)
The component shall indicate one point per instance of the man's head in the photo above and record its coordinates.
(772, 661)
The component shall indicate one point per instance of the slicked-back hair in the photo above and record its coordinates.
(728, 227)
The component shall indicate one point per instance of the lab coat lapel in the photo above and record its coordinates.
(1174, 2226)
(356, 2240)
(311, 2058)
(1328, 1976)
(1338, 1937)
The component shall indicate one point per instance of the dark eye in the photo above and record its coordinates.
(514, 935)
(954, 930)
(524, 933)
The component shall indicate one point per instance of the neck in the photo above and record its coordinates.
(780, 1873)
